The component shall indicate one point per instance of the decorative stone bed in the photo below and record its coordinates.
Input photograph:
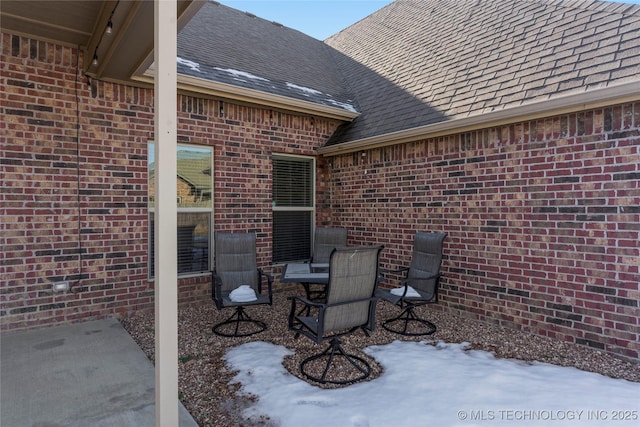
(206, 384)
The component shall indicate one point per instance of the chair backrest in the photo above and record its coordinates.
(426, 259)
(326, 240)
(353, 273)
(235, 260)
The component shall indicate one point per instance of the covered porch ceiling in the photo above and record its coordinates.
(83, 24)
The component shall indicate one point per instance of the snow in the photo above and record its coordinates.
(410, 291)
(307, 91)
(304, 89)
(194, 66)
(343, 105)
(243, 76)
(243, 293)
(436, 385)
(240, 74)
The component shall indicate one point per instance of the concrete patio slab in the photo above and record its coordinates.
(85, 374)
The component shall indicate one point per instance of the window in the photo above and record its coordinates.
(293, 207)
(194, 204)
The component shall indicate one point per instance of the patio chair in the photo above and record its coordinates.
(237, 282)
(350, 305)
(325, 240)
(419, 286)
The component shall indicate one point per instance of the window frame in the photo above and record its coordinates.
(311, 209)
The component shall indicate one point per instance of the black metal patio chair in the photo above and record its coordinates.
(237, 282)
(325, 240)
(350, 305)
(418, 287)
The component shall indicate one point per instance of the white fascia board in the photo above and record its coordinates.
(223, 90)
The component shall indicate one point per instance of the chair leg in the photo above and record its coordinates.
(238, 318)
(409, 317)
(361, 367)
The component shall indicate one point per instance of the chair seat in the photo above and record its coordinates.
(395, 299)
(261, 299)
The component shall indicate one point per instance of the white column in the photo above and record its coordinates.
(166, 268)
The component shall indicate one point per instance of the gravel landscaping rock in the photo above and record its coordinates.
(209, 393)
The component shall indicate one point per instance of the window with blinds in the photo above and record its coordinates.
(293, 207)
(194, 205)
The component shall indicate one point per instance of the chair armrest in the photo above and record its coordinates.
(305, 301)
(408, 280)
(292, 322)
(384, 271)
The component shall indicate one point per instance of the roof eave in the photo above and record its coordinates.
(197, 85)
(617, 94)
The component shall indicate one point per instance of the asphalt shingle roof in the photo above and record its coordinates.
(420, 62)
(230, 46)
(449, 59)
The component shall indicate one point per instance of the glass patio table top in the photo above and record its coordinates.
(304, 272)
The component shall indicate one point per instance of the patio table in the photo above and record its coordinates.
(309, 273)
(306, 274)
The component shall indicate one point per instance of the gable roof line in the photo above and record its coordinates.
(615, 94)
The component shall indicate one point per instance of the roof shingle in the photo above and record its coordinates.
(477, 56)
(229, 46)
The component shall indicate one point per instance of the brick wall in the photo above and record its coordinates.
(543, 220)
(244, 139)
(543, 217)
(73, 191)
(74, 188)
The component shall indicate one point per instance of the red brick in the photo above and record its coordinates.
(527, 206)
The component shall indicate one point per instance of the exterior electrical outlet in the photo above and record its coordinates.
(60, 286)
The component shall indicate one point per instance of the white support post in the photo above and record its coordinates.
(166, 268)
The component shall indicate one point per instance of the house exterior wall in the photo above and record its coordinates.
(244, 140)
(543, 220)
(75, 184)
(543, 217)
